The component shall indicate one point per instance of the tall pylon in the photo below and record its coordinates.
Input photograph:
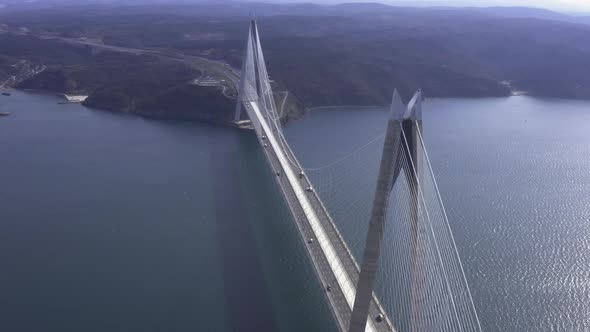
(400, 138)
(247, 75)
(254, 80)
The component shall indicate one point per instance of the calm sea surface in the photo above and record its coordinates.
(117, 223)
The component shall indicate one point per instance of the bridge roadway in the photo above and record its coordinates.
(333, 262)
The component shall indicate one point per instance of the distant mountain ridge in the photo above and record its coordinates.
(247, 7)
(322, 55)
(528, 12)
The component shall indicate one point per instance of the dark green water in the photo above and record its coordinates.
(118, 223)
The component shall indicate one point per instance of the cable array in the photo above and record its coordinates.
(421, 281)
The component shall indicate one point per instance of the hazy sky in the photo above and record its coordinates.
(567, 5)
(560, 4)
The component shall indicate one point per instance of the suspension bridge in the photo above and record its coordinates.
(427, 288)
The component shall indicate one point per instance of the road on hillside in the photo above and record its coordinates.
(217, 68)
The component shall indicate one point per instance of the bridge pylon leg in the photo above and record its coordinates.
(412, 175)
(246, 73)
(401, 128)
(254, 80)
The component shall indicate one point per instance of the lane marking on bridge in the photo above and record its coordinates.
(334, 261)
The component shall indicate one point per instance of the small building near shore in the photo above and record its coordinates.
(75, 98)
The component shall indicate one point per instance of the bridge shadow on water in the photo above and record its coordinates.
(268, 280)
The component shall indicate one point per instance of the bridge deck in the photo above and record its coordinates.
(333, 262)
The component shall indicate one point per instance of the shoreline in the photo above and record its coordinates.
(227, 124)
